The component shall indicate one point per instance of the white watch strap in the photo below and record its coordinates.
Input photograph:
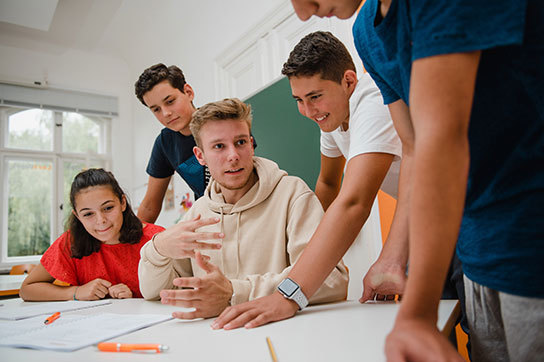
(300, 298)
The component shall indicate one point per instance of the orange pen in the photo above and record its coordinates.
(52, 318)
(125, 347)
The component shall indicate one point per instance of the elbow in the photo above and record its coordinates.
(23, 294)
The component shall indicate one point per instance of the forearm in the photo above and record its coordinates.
(437, 200)
(334, 235)
(395, 249)
(148, 212)
(326, 193)
(45, 291)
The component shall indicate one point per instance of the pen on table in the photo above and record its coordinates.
(271, 349)
(52, 318)
(126, 347)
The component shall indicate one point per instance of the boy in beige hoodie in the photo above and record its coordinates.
(264, 218)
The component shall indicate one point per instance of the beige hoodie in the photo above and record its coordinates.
(265, 233)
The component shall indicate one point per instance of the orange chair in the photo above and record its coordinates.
(21, 269)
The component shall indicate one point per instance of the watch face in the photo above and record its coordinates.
(288, 287)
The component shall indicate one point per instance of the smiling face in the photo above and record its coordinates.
(172, 107)
(227, 150)
(324, 101)
(342, 9)
(101, 212)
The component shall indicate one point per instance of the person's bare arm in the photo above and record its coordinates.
(387, 276)
(329, 180)
(441, 95)
(151, 205)
(38, 286)
(334, 235)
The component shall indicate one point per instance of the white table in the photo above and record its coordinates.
(345, 331)
(10, 284)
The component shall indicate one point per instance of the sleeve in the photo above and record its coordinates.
(158, 165)
(465, 25)
(304, 216)
(58, 262)
(371, 126)
(328, 145)
(367, 42)
(157, 272)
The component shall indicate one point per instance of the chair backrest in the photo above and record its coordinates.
(22, 269)
(387, 205)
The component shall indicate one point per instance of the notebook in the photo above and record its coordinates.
(28, 310)
(72, 332)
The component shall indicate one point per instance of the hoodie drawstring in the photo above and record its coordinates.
(237, 241)
(238, 244)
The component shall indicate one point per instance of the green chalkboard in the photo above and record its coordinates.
(283, 134)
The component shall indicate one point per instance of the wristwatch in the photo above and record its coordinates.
(291, 290)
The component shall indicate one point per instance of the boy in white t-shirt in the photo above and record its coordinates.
(358, 141)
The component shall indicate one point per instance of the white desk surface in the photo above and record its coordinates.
(345, 331)
(11, 282)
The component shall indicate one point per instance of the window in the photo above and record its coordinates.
(41, 151)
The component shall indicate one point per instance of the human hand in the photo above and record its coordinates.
(120, 291)
(382, 281)
(93, 290)
(255, 313)
(180, 241)
(415, 340)
(210, 294)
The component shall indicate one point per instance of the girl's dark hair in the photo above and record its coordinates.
(84, 244)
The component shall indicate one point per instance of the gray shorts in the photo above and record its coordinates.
(504, 327)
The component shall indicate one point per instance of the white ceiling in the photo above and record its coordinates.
(127, 29)
(15, 12)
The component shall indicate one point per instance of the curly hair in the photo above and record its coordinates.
(319, 53)
(156, 74)
(84, 244)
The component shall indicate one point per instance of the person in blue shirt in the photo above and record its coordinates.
(166, 93)
(464, 82)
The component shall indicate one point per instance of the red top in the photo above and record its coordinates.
(115, 263)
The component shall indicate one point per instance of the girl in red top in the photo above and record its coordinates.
(99, 254)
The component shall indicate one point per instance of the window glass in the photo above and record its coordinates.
(80, 133)
(29, 206)
(31, 129)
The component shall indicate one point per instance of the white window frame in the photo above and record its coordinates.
(57, 158)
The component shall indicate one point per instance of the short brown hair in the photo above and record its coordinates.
(227, 109)
(319, 53)
(154, 75)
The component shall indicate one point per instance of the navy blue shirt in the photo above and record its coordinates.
(173, 151)
(501, 242)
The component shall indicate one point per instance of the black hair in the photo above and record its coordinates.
(319, 53)
(84, 244)
(156, 74)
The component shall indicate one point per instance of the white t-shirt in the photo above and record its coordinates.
(370, 130)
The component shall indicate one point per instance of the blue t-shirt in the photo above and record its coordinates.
(501, 241)
(173, 151)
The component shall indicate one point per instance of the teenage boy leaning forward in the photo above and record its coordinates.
(166, 93)
(356, 128)
(464, 82)
(265, 220)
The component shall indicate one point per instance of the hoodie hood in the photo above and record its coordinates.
(269, 174)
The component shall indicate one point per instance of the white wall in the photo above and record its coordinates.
(82, 71)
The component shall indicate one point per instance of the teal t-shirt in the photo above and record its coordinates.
(501, 242)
